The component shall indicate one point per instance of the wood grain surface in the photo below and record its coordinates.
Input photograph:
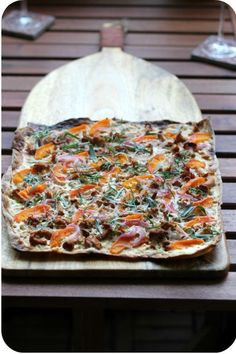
(210, 84)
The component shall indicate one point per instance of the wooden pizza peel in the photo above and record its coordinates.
(111, 84)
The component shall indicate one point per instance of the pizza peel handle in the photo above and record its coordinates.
(110, 83)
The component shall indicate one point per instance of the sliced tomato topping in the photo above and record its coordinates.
(199, 137)
(37, 210)
(78, 216)
(44, 151)
(195, 164)
(60, 234)
(206, 202)
(153, 163)
(82, 189)
(31, 191)
(180, 244)
(78, 129)
(19, 176)
(100, 125)
(195, 182)
(199, 220)
(143, 138)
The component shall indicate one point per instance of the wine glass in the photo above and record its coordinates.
(218, 47)
(25, 23)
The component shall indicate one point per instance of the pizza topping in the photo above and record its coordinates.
(134, 237)
(198, 220)
(27, 193)
(19, 176)
(153, 163)
(78, 129)
(73, 231)
(180, 244)
(100, 125)
(117, 186)
(199, 137)
(44, 151)
(34, 211)
(195, 164)
(206, 202)
(195, 182)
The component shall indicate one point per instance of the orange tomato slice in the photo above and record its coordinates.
(44, 151)
(195, 164)
(122, 158)
(100, 125)
(195, 182)
(78, 129)
(180, 244)
(134, 217)
(60, 234)
(37, 210)
(199, 137)
(207, 202)
(19, 176)
(142, 138)
(154, 162)
(198, 220)
(117, 248)
(78, 216)
(82, 189)
(31, 191)
(169, 135)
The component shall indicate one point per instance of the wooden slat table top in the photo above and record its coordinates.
(165, 33)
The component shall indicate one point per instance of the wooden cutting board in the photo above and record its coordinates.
(110, 83)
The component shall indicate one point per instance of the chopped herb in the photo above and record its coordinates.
(111, 149)
(41, 133)
(32, 179)
(37, 199)
(92, 152)
(151, 203)
(189, 210)
(72, 136)
(70, 146)
(168, 174)
(197, 191)
(106, 166)
(98, 226)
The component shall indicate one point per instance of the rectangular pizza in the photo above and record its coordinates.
(140, 190)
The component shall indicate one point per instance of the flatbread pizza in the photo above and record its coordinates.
(140, 190)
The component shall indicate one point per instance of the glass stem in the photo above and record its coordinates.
(221, 23)
(23, 7)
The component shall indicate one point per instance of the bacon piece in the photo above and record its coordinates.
(180, 244)
(44, 151)
(68, 159)
(35, 211)
(134, 237)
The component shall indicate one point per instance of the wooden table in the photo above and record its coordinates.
(164, 32)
